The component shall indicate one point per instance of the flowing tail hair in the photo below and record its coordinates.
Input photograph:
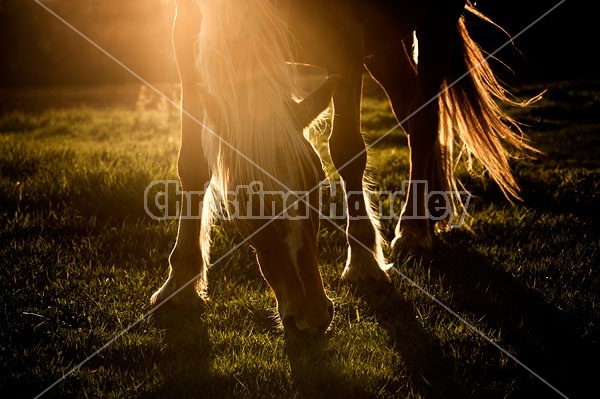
(471, 116)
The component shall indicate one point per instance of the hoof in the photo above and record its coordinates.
(351, 275)
(409, 244)
(171, 293)
(365, 267)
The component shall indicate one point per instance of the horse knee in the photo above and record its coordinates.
(346, 144)
(192, 174)
(192, 165)
(347, 151)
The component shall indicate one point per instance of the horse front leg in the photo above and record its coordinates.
(365, 259)
(186, 260)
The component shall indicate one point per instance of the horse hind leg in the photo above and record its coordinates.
(395, 71)
(414, 231)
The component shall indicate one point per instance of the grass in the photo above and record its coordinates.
(80, 259)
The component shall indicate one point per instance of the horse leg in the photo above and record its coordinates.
(185, 261)
(414, 230)
(347, 149)
(394, 70)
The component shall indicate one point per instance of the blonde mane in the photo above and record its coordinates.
(247, 86)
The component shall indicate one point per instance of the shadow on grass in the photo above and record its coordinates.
(430, 375)
(536, 333)
(186, 362)
(315, 371)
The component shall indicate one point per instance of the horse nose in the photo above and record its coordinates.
(311, 324)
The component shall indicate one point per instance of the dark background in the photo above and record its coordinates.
(561, 46)
(37, 49)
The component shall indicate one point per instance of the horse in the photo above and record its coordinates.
(241, 127)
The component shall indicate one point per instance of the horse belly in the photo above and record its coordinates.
(390, 22)
(323, 29)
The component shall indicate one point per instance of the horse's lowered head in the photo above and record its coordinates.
(290, 266)
(286, 247)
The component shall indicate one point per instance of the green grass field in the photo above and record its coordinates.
(79, 259)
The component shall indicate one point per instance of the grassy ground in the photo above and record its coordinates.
(79, 259)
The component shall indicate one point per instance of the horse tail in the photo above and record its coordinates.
(247, 88)
(471, 116)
